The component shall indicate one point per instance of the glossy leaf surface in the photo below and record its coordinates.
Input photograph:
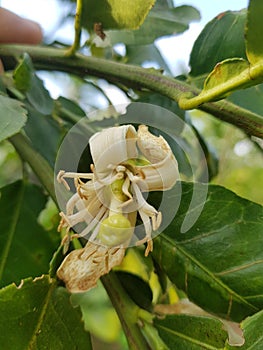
(29, 83)
(254, 41)
(218, 262)
(39, 315)
(250, 98)
(12, 117)
(37, 129)
(191, 332)
(114, 14)
(26, 248)
(159, 22)
(232, 73)
(222, 38)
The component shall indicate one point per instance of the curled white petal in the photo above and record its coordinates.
(162, 173)
(113, 146)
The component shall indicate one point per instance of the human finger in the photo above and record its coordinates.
(18, 30)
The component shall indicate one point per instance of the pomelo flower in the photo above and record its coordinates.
(126, 164)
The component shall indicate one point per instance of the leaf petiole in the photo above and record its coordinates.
(77, 26)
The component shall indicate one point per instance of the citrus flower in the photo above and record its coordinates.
(126, 164)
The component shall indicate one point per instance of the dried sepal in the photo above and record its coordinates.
(82, 268)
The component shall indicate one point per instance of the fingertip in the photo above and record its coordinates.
(1, 68)
(32, 32)
(17, 30)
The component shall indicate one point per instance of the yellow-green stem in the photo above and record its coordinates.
(77, 26)
(126, 310)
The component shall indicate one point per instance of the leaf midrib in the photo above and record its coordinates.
(191, 340)
(209, 273)
(41, 317)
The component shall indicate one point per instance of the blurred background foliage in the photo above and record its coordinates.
(240, 158)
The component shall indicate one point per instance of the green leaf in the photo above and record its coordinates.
(39, 315)
(232, 73)
(22, 74)
(69, 110)
(221, 38)
(45, 133)
(159, 22)
(254, 30)
(138, 290)
(113, 14)
(252, 327)
(218, 261)
(2, 87)
(26, 248)
(209, 152)
(12, 117)
(225, 71)
(99, 316)
(139, 54)
(226, 77)
(165, 102)
(182, 332)
(250, 99)
(28, 82)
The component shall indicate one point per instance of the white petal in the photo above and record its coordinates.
(160, 176)
(163, 173)
(113, 146)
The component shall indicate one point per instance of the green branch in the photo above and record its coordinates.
(137, 77)
(127, 311)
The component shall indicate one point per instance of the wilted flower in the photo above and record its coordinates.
(126, 163)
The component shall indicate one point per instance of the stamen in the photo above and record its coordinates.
(125, 188)
(76, 218)
(71, 204)
(146, 207)
(97, 228)
(132, 177)
(149, 247)
(121, 168)
(60, 179)
(156, 221)
(148, 232)
(93, 223)
(63, 222)
(140, 173)
(110, 179)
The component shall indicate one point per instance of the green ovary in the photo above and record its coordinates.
(115, 230)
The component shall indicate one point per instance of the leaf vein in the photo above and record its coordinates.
(12, 230)
(191, 340)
